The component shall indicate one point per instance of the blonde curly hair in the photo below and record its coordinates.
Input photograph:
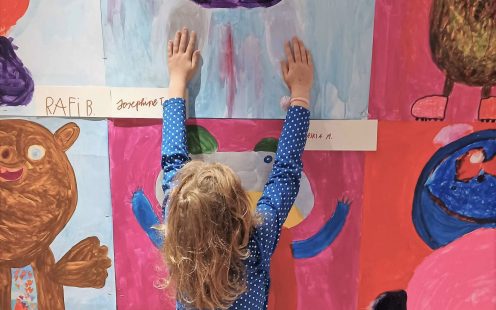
(207, 232)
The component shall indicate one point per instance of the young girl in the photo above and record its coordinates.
(216, 249)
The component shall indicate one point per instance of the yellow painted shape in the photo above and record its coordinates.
(294, 218)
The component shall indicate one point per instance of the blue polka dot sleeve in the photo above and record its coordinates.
(174, 149)
(284, 181)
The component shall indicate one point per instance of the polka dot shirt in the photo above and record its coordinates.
(279, 193)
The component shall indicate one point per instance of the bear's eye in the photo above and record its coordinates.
(36, 152)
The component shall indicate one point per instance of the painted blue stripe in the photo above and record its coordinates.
(323, 238)
(146, 217)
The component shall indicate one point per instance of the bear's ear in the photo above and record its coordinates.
(66, 135)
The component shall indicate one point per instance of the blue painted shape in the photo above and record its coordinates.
(325, 236)
(146, 217)
(445, 208)
(474, 199)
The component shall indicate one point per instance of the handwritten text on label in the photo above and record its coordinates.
(70, 106)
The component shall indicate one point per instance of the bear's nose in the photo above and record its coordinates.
(6, 153)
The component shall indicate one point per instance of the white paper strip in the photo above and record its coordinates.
(342, 135)
(116, 102)
(137, 102)
(72, 101)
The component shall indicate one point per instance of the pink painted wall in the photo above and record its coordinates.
(329, 280)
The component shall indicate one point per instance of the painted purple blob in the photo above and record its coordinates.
(16, 84)
(236, 3)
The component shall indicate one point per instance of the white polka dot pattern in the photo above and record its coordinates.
(174, 149)
(279, 193)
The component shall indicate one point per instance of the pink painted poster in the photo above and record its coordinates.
(434, 59)
(322, 278)
(428, 209)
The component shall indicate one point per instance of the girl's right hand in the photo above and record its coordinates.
(182, 57)
(297, 70)
(183, 61)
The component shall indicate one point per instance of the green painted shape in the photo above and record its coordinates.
(267, 145)
(200, 141)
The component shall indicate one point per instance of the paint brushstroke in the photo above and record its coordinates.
(236, 3)
(16, 84)
(10, 12)
(461, 275)
(314, 245)
(227, 69)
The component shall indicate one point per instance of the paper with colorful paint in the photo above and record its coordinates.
(56, 245)
(429, 197)
(52, 42)
(242, 49)
(434, 60)
(319, 236)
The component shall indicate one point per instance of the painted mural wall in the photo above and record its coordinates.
(411, 224)
(427, 236)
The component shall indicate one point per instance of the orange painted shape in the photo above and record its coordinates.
(487, 109)
(282, 294)
(10, 12)
(431, 107)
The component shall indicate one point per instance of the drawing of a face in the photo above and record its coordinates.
(253, 168)
(236, 3)
(38, 192)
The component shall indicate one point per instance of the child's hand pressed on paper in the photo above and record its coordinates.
(183, 60)
(297, 70)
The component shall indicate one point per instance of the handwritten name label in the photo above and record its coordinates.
(137, 103)
(342, 135)
(121, 104)
(99, 102)
(319, 136)
(71, 101)
(71, 106)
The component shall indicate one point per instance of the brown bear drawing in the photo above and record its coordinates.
(463, 45)
(38, 195)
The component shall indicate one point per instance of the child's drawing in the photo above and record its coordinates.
(431, 213)
(242, 49)
(461, 41)
(317, 225)
(16, 84)
(39, 221)
(434, 60)
(455, 193)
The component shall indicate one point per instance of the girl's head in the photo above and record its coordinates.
(206, 235)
